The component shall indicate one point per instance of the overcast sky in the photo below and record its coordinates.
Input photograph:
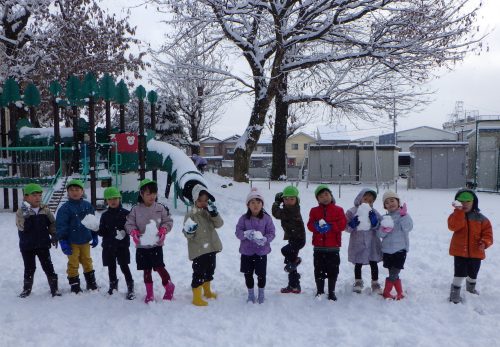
(476, 81)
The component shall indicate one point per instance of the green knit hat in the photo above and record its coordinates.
(75, 182)
(112, 193)
(290, 192)
(320, 188)
(145, 182)
(32, 188)
(465, 197)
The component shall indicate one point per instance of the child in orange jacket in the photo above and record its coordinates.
(472, 234)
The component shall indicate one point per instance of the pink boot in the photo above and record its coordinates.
(387, 289)
(169, 291)
(399, 289)
(149, 293)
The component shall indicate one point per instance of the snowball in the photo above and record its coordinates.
(91, 222)
(150, 236)
(321, 222)
(364, 220)
(257, 235)
(457, 203)
(387, 222)
(189, 224)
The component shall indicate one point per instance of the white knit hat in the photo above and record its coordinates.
(389, 194)
(255, 194)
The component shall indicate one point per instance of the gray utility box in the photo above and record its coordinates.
(437, 165)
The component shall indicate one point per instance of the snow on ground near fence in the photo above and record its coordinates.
(423, 318)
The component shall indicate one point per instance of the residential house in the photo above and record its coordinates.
(297, 146)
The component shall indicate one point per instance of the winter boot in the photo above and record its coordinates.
(251, 296)
(197, 300)
(470, 286)
(130, 291)
(376, 288)
(331, 289)
(90, 279)
(261, 298)
(357, 287)
(387, 289)
(332, 296)
(150, 296)
(207, 292)
(74, 283)
(53, 286)
(169, 291)
(289, 289)
(399, 289)
(455, 294)
(113, 285)
(292, 266)
(320, 287)
(28, 284)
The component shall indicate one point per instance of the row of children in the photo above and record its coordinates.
(373, 238)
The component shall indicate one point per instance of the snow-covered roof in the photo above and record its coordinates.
(233, 138)
(438, 143)
(39, 133)
(209, 139)
(303, 134)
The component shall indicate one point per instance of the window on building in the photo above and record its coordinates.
(230, 150)
(295, 146)
(305, 146)
(209, 151)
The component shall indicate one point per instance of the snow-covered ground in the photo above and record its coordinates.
(423, 318)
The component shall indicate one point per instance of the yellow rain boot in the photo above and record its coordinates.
(207, 292)
(197, 300)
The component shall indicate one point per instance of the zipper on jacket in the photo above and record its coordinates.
(468, 235)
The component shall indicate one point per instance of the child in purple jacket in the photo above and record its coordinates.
(255, 229)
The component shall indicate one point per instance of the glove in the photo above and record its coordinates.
(322, 229)
(403, 210)
(278, 198)
(190, 228)
(373, 218)
(260, 242)
(162, 232)
(136, 234)
(53, 241)
(248, 234)
(387, 229)
(26, 208)
(65, 247)
(212, 209)
(353, 223)
(95, 240)
(120, 234)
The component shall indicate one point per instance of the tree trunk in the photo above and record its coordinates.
(278, 169)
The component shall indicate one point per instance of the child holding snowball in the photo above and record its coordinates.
(148, 223)
(203, 242)
(394, 231)
(115, 241)
(364, 245)
(472, 234)
(326, 222)
(76, 226)
(255, 230)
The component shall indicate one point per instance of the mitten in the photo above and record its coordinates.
(190, 228)
(403, 210)
(120, 234)
(95, 240)
(278, 198)
(353, 223)
(322, 228)
(212, 209)
(136, 234)
(162, 232)
(65, 247)
(248, 234)
(260, 242)
(26, 208)
(373, 218)
(387, 229)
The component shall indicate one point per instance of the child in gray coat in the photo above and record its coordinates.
(364, 245)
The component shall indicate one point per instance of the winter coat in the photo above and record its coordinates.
(141, 215)
(468, 230)
(35, 229)
(264, 225)
(398, 239)
(333, 215)
(205, 239)
(364, 245)
(69, 221)
(291, 221)
(111, 221)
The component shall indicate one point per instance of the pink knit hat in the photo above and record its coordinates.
(255, 194)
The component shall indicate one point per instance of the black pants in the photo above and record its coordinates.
(203, 269)
(43, 255)
(251, 264)
(467, 267)
(291, 250)
(373, 269)
(326, 265)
